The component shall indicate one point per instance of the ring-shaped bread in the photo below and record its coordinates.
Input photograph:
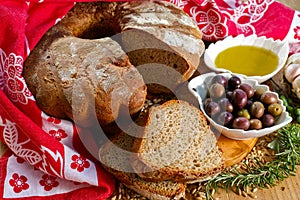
(78, 71)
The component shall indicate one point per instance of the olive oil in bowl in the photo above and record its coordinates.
(247, 60)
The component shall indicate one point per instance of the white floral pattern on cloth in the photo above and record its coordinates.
(296, 23)
(18, 182)
(58, 134)
(61, 130)
(11, 139)
(79, 163)
(179, 3)
(297, 32)
(211, 23)
(48, 182)
(11, 80)
(46, 160)
(23, 180)
(244, 16)
(234, 3)
(293, 36)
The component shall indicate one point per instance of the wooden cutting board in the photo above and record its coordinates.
(235, 150)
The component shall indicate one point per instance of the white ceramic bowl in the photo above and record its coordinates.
(198, 86)
(278, 47)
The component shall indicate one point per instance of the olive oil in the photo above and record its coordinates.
(247, 60)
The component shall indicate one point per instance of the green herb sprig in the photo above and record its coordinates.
(292, 107)
(287, 152)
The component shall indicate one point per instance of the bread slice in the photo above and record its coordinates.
(115, 155)
(177, 144)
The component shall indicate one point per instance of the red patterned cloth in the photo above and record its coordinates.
(220, 18)
(46, 158)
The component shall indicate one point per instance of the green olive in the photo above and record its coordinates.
(244, 113)
(275, 109)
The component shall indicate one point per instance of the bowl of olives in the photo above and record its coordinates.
(240, 108)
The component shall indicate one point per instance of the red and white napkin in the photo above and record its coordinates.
(220, 18)
(46, 158)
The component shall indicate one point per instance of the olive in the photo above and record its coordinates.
(228, 94)
(239, 98)
(258, 92)
(225, 105)
(225, 118)
(268, 98)
(241, 123)
(206, 101)
(255, 124)
(212, 108)
(248, 89)
(219, 79)
(244, 113)
(257, 109)
(249, 103)
(233, 82)
(267, 120)
(216, 90)
(275, 109)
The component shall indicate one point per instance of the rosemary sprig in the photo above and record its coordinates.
(287, 149)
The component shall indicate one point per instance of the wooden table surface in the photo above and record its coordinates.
(286, 190)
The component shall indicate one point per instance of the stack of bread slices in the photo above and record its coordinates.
(171, 147)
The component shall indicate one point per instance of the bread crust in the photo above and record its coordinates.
(162, 34)
(55, 64)
(153, 190)
(77, 78)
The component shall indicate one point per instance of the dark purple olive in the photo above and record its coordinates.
(268, 98)
(249, 103)
(255, 124)
(219, 79)
(248, 89)
(225, 105)
(267, 120)
(239, 98)
(228, 94)
(233, 82)
(241, 123)
(216, 90)
(212, 108)
(225, 118)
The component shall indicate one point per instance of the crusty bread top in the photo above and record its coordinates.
(70, 52)
(162, 41)
(177, 144)
(167, 22)
(79, 78)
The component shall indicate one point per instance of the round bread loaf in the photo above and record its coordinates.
(74, 75)
(80, 70)
(162, 41)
